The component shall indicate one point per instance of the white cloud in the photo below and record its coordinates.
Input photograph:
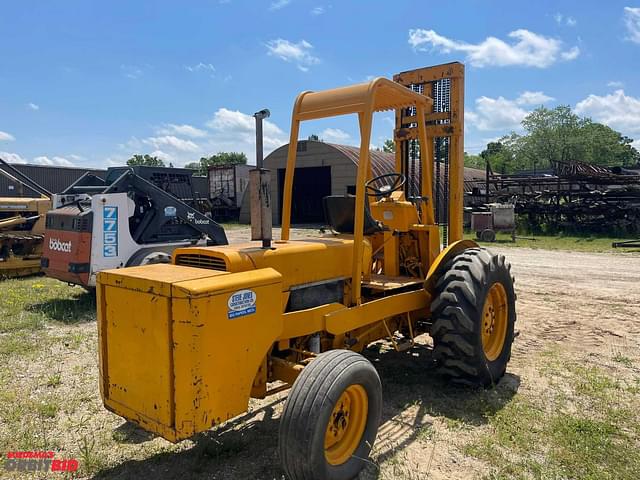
(298, 53)
(54, 161)
(278, 4)
(167, 157)
(41, 160)
(496, 114)
(570, 54)
(206, 67)
(533, 98)
(317, 10)
(335, 135)
(621, 112)
(6, 137)
(491, 114)
(615, 84)
(184, 130)
(12, 157)
(565, 20)
(131, 71)
(227, 131)
(528, 49)
(234, 130)
(173, 142)
(632, 22)
(33, 106)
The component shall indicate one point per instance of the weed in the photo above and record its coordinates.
(54, 380)
(626, 361)
(48, 408)
(91, 459)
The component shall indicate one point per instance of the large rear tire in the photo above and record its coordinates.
(331, 418)
(473, 318)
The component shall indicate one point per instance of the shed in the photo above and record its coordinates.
(324, 169)
(53, 178)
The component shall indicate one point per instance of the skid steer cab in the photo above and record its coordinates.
(183, 347)
(133, 217)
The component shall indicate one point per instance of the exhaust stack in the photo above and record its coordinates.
(260, 190)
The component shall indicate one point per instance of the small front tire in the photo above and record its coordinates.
(331, 418)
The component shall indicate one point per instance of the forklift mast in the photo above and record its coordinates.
(445, 142)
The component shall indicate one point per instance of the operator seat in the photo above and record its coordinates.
(339, 213)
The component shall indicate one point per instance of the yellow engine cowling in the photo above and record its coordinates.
(180, 346)
(179, 352)
(300, 262)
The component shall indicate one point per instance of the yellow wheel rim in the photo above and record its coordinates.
(495, 315)
(346, 425)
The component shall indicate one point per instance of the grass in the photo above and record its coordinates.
(579, 429)
(558, 242)
(29, 305)
(581, 422)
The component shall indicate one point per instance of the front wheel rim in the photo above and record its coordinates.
(346, 425)
(495, 314)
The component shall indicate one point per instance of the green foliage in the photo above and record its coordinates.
(474, 161)
(389, 146)
(558, 134)
(313, 137)
(501, 158)
(146, 160)
(222, 158)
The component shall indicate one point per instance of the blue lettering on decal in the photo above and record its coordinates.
(110, 231)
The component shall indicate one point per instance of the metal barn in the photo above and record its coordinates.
(54, 179)
(326, 169)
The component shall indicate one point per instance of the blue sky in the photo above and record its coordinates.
(90, 83)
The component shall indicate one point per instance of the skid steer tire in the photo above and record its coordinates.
(473, 318)
(331, 418)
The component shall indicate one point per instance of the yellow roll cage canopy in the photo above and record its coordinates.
(364, 100)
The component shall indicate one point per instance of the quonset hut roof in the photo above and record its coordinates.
(383, 162)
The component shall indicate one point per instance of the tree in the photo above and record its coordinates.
(146, 160)
(500, 155)
(313, 137)
(474, 161)
(222, 158)
(559, 135)
(389, 146)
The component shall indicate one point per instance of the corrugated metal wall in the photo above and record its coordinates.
(54, 179)
(343, 161)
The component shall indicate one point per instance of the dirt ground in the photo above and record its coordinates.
(578, 308)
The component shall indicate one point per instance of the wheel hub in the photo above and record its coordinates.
(494, 321)
(346, 425)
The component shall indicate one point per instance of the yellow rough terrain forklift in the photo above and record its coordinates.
(183, 347)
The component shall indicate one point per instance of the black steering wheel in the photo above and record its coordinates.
(394, 181)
